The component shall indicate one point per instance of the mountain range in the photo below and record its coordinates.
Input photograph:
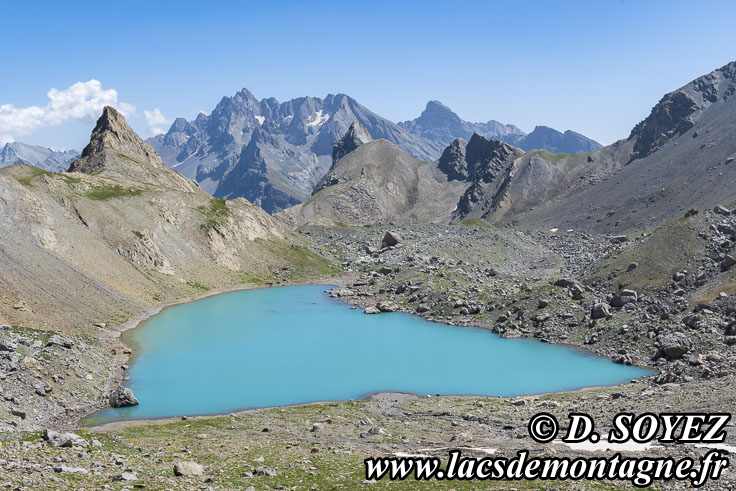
(274, 153)
(41, 157)
(440, 125)
(682, 155)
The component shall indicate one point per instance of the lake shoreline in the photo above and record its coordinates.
(563, 378)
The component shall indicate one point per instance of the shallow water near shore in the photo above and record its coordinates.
(292, 345)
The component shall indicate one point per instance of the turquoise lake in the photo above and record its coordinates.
(291, 345)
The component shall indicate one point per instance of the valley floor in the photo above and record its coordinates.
(561, 287)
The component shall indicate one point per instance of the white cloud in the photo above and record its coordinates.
(5, 138)
(157, 122)
(82, 101)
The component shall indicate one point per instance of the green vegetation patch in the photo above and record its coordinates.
(109, 192)
(199, 286)
(475, 222)
(30, 173)
(241, 277)
(552, 157)
(69, 179)
(213, 214)
(302, 262)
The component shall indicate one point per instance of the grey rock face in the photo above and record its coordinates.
(452, 161)
(122, 397)
(487, 165)
(43, 158)
(477, 160)
(670, 117)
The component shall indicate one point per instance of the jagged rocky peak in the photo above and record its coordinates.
(116, 150)
(112, 134)
(354, 137)
(452, 161)
(477, 159)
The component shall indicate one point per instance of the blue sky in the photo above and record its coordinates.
(596, 67)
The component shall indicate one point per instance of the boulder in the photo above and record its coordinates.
(387, 306)
(576, 291)
(731, 329)
(600, 311)
(692, 321)
(58, 439)
(623, 297)
(185, 468)
(727, 262)
(264, 471)
(57, 340)
(122, 397)
(63, 469)
(675, 346)
(390, 239)
(421, 308)
(630, 294)
(7, 345)
(619, 301)
(564, 283)
(371, 310)
(126, 476)
(721, 210)
(344, 292)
